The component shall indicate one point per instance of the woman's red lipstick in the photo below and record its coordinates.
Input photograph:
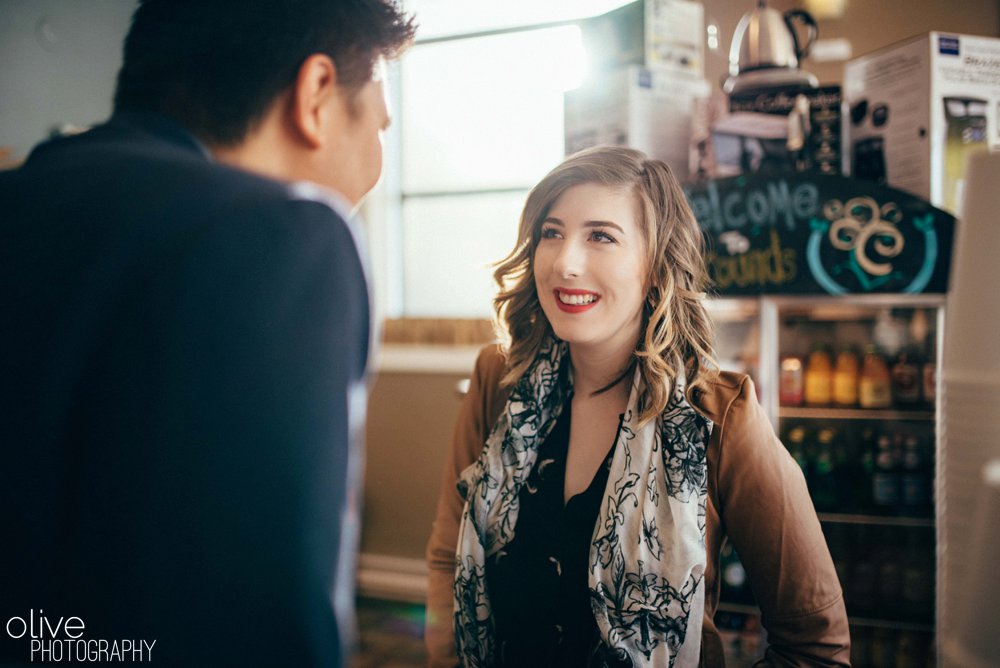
(575, 308)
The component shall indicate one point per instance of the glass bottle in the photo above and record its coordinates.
(929, 380)
(908, 651)
(860, 645)
(917, 476)
(890, 573)
(918, 576)
(906, 376)
(791, 382)
(885, 478)
(883, 648)
(819, 377)
(795, 441)
(860, 593)
(839, 545)
(874, 388)
(824, 480)
(861, 484)
(845, 378)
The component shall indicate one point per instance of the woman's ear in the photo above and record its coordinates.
(316, 100)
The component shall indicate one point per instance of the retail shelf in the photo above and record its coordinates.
(817, 413)
(842, 518)
(738, 608)
(848, 307)
(872, 622)
(732, 310)
(927, 627)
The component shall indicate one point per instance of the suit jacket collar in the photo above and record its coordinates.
(160, 127)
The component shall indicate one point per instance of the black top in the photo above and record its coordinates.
(177, 343)
(538, 582)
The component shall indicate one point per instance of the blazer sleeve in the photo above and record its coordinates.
(768, 513)
(475, 419)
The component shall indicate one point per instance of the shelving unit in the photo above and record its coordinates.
(817, 413)
(889, 548)
(878, 520)
(893, 625)
(870, 622)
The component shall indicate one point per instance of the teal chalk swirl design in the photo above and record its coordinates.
(926, 225)
(820, 228)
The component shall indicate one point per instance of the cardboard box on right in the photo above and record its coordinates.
(919, 108)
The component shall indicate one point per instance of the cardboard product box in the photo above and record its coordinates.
(675, 35)
(646, 108)
(919, 108)
(780, 130)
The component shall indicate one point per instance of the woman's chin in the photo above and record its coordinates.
(574, 336)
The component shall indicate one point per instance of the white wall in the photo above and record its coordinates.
(58, 63)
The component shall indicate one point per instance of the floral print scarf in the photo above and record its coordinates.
(647, 555)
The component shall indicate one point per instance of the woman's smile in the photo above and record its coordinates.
(575, 301)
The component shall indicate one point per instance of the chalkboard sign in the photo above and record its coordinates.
(811, 233)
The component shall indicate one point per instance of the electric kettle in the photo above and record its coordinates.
(766, 50)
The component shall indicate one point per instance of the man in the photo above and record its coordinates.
(184, 341)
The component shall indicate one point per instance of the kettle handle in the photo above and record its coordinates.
(807, 20)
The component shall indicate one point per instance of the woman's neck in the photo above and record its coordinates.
(594, 369)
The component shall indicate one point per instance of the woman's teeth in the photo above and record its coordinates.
(576, 300)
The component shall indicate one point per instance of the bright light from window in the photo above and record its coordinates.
(481, 122)
(449, 247)
(438, 18)
(486, 113)
(576, 60)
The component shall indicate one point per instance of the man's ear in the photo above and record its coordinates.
(311, 109)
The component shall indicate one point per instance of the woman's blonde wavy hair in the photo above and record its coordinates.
(676, 331)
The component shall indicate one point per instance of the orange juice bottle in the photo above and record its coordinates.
(819, 377)
(874, 388)
(845, 378)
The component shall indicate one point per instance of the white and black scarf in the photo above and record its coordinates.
(647, 555)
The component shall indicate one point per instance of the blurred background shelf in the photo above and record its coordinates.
(870, 622)
(830, 413)
(883, 520)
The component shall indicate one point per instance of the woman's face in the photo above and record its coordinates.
(590, 267)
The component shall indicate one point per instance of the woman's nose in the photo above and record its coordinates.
(570, 259)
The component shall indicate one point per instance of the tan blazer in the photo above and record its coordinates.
(757, 497)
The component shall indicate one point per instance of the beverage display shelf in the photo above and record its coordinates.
(871, 622)
(738, 608)
(832, 413)
(893, 624)
(883, 520)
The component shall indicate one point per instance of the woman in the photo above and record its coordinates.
(600, 460)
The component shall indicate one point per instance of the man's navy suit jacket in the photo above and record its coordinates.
(181, 347)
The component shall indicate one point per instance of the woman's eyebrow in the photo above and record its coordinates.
(604, 223)
(590, 223)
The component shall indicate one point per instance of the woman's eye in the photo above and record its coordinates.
(603, 237)
(550, 233)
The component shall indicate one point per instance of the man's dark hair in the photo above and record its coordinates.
(216, 66)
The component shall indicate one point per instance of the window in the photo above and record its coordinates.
(478, 121)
